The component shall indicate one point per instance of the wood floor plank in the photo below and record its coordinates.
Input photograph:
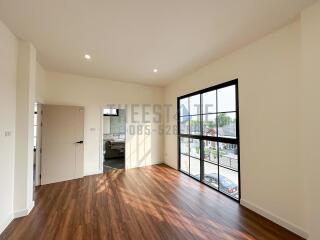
(155, 202)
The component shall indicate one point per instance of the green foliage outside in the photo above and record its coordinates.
(223, 120)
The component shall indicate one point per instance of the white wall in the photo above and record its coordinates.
(8, 76)
(269, 73)
(26, 77)
(17, 75)
(310, 115)
(40, 83)
(143, 137)
(94, 94)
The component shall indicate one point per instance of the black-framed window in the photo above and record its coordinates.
(208, 137)
(110, 112)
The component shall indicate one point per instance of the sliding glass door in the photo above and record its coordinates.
(208, 137)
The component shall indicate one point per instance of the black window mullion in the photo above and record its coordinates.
(212, 138)
(189, 127)
(189, 117)
(201, 141)
(238, 137)
(207, 113)
(218, 142)
(227, 168)
(211, 162)
(178, 128)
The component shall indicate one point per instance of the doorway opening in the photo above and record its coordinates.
(114, 138)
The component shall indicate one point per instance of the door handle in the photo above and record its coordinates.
(80, 142)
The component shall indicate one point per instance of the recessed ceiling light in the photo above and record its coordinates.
(155, 70)
(87, 56)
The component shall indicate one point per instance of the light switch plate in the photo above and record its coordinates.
(7, 133)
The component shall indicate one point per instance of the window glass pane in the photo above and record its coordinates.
(195, 148)
(195, 125)
(195, 105)
(184, 125)
(195, 167)
(227, 125)
(228, 182)
(184, 106)
(228, 155)
(210, 151)
(184, 164)
(209, 125)
(227, 99)
(184, 145)
(209, 102)
(211, 174)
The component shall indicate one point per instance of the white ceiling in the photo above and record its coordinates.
(127, 39)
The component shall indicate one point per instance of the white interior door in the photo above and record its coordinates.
(62, 143)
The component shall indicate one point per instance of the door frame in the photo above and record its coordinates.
(38, 152)
(101, 156)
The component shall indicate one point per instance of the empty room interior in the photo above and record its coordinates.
(155, 119)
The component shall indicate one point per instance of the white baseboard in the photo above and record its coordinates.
(6, 223)
(24, 212)
(276, 219)
(93, 172)
(170, 165)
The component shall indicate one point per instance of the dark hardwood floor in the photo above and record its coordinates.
(146, 203)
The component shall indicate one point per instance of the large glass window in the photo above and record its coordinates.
(184, 163)
(184, 146)
(208, 122)
(211, 174)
